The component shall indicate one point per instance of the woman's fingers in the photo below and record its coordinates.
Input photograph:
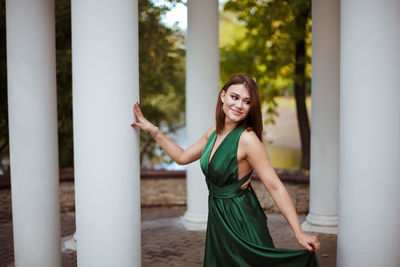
(141, 121)
(310, 242)
(135, 109)
(316, 245)
(138, 109)
(137, 115)
(138, 112)
(307, 246)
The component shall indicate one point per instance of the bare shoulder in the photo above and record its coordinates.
(209, 132)
(251, 147)
(249, 139)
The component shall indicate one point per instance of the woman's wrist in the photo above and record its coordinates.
(155, 131)
(298, 234)
(151, 128)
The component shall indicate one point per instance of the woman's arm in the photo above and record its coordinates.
(256, 155)
(178, 154)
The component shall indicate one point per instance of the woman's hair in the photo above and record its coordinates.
(253, 120)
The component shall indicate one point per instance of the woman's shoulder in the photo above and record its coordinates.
(209, 132)
(249, 138)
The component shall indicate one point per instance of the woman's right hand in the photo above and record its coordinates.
(142, 122)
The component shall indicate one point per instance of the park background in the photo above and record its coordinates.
(265, 39)
(270, 40)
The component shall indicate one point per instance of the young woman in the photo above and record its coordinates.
(237, 231)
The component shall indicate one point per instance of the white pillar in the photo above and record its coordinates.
(107, 171)
(369, 213)
(324, 175)
(202, 82)
(31, 66)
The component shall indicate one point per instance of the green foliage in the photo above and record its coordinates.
(267, 49)
(161, 76)
(230, 26)
(64, 83)
(274, 51)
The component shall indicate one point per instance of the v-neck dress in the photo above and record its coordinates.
(237, 231)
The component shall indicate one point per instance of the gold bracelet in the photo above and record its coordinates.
(155, 132)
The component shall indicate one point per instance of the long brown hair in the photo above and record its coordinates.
(254, 118)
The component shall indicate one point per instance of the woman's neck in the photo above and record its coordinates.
(229, 125)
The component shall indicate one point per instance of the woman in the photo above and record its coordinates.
(237, 231)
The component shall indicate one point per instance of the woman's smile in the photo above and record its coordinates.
(236, 102)
(236, 112)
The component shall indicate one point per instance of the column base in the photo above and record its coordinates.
(326, 224)
(69, 242)
(194, 221)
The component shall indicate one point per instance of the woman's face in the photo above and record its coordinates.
(236, 102)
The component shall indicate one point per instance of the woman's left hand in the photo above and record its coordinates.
(310, 242)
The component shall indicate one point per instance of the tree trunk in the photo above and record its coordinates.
(300, 95)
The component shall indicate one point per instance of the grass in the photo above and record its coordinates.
(284, 101)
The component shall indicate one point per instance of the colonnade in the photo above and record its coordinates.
(355, 144)
(106, 148)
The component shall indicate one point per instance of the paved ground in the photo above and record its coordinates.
(166, 243)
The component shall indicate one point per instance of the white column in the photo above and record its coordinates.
(107, 172)
(31, 66)
(202, 82)
(324, 173)
(369, 213)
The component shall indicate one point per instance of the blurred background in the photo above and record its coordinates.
(270, 40)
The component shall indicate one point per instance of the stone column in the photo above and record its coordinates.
(107, 171)
(202, 83)
(31, 66)
(369, 215)
(324, 175)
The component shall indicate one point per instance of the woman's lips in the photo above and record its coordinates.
(237, 113)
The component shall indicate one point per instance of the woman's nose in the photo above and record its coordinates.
(239, 104)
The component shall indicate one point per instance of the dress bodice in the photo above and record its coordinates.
(222, 169)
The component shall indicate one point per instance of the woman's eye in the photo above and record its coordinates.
(247, 102)
(234, 97)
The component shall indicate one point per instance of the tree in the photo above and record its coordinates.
(64, 83)
(274, 52)
(161, 76)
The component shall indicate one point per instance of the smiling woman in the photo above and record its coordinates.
(239, 99)
(236, 102)
(229, 152)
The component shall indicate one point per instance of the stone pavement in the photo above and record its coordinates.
(165, 242)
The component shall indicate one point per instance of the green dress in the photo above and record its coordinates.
(237, 231)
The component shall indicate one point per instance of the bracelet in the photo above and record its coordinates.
(155, 132)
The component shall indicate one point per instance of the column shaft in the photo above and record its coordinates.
(33, 132)
(202, 82)
(324, 173)
(107, 168)
(369, 216)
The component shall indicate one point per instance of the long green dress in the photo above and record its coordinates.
(237, 231)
